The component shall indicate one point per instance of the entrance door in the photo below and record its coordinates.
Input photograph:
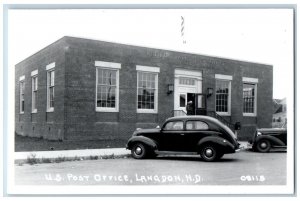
(186, 85)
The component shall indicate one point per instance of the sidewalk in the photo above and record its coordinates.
(82, 154)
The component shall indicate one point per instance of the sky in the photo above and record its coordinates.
(256, 35)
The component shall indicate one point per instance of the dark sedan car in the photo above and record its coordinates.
(266, 138)
(204, 135)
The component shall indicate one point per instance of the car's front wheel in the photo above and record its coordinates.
(263, 146)
(209, 153)
(139, 151)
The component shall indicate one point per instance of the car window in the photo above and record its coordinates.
(196, 125)
(174, 125)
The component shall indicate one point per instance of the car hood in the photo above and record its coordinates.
(142, 131)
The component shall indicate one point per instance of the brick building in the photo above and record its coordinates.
(81, 89)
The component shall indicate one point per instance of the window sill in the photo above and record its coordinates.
(34, 111)
(223, 114)
(146, 111)
(249, 115)
(50, 110)
(21, 112)
(106, 110)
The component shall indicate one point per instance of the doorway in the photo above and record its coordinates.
(187, 87)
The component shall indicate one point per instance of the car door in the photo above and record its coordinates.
(172, 136)
(195, 131)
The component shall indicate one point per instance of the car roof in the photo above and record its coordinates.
(192, 117)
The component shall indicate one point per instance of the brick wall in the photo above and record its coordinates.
(75, 117)
(41, 124)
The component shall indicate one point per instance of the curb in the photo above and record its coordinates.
(69, 155)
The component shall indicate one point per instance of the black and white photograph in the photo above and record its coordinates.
(150, 100)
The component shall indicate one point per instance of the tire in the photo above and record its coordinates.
(209, 153)
(220, 155)
(263, 146)
(139, 151)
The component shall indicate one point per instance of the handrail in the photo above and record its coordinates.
(220, 118)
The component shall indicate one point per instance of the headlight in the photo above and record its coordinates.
(258, 134)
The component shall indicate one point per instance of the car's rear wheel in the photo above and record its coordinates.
(139, 151)
(209, 153)
(263, 146)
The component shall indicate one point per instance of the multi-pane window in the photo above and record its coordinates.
(223, 96)
(34, 93)
(22, 103)
(50, 89)
(249, 98)
(186, 81)
(106, 88)
(147, 90)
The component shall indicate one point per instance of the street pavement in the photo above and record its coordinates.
(243, 168)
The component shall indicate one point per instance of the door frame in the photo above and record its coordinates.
(185, 89)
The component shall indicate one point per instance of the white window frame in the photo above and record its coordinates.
(49, 69)
(110, 66)
(156, 71)
(34, 75)
(22, 81)
(225, 78)
(254, 81)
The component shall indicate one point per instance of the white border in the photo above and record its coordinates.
(108, 65)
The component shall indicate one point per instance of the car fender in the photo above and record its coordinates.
(273, 140)
(217, 140)
(147, 141)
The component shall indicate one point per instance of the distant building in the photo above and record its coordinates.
(279, 116)
(81, 89)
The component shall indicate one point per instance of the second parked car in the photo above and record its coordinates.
(264, 139)
(201, 134)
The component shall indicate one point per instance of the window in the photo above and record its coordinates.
(186, 81)
(22, 88)
(107, 86)
(223, 94)
(196, 125)
(50, 86)
(34, 86)
(249, 98)
(174, 125)
(147, 92)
